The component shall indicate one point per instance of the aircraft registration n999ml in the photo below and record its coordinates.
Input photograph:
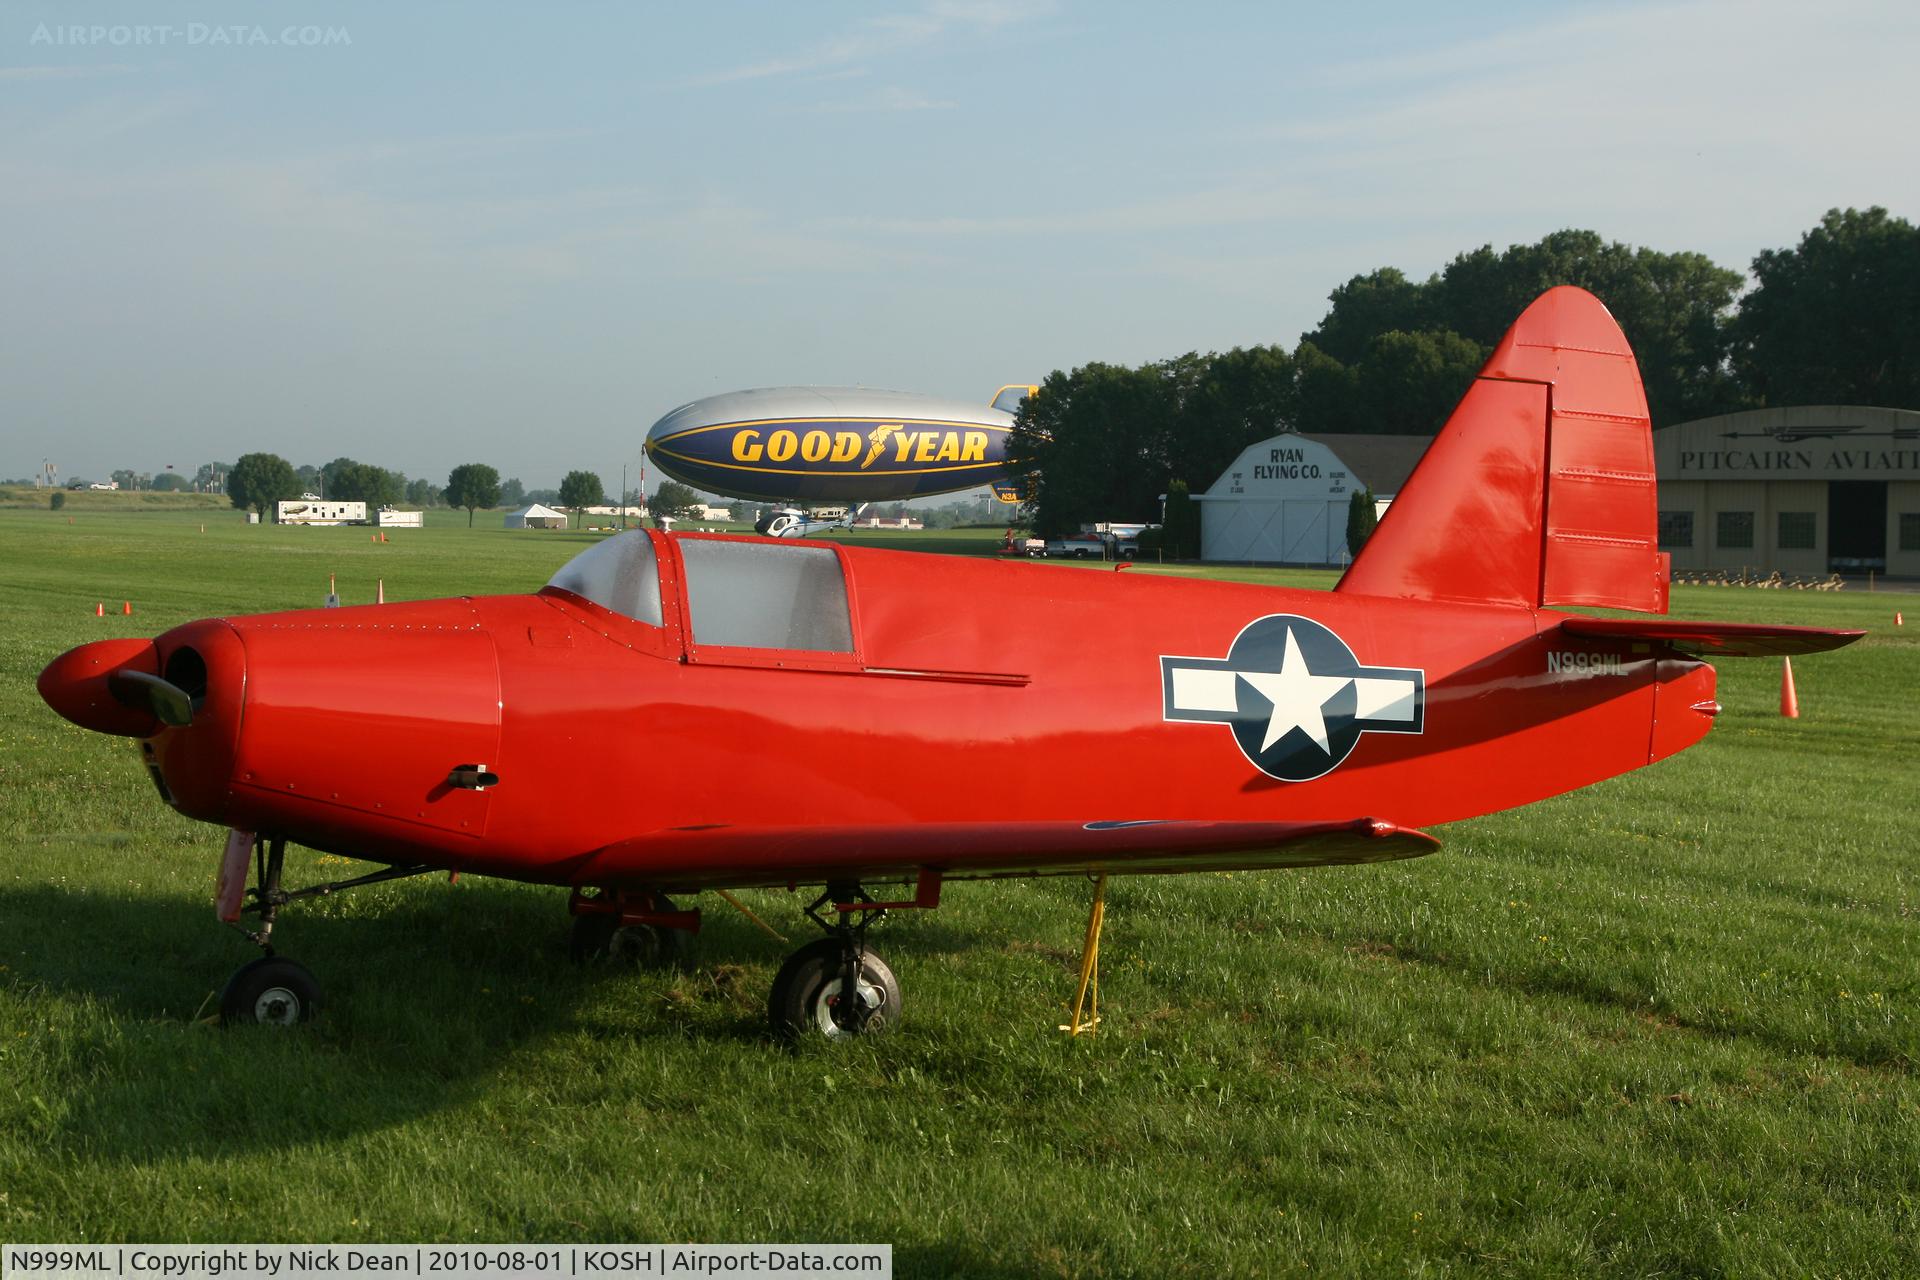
(773, 713)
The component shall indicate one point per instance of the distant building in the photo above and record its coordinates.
(1284, 500)
(1806, 491)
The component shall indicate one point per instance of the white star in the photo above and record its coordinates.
(1297, 696)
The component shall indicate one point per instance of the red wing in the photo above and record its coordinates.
(1714, 639)
(726, 856)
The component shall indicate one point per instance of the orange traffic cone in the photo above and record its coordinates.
(383, 535)
(126, 608)
(1789, 701)
(373, 537)
(379, 590)
(1898, 621)
(100, 610)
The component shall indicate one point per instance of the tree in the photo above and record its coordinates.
(1180, 535)
(581, 489)
(673, 499)
(1102, 442)
(1361, 519)
(1836, 320)
(211, 477)
(364, 482)
(473, 485)
(330, 477)
(259, 480)
(1410, 382)
(309, 477)
(1367, 306)
(125, 479)
(1672, 306)
(168, 482)
(512, 493)
(1090, 445)
(421, 493)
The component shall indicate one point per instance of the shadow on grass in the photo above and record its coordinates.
(429, 995)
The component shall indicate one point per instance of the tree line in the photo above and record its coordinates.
(260, 481)
(1834, 319)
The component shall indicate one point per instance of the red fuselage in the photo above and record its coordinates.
(972, 692)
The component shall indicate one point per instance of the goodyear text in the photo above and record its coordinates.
(896, 441)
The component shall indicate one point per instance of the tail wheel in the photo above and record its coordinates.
(271, 991)
(809, 996)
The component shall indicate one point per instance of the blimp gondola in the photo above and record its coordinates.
(836, 444)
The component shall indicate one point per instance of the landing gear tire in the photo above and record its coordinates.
(808, 997)
(271, 991)
(603, 940)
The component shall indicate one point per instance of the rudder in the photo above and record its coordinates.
(1540, 489)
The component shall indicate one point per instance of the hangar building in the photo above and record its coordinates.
(1804, 491)
(1284, 500)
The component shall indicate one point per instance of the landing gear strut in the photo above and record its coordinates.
(273, 990)
(836, 987)
(639, 929)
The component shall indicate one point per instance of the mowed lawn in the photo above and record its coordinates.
(1663, 1026)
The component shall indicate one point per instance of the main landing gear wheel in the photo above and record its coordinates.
(271, 991)
(603, 940)
(810, 994)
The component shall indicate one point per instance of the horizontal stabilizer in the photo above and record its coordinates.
(731, 857)
(1714, 639)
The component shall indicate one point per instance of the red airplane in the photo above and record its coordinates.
(676, 713)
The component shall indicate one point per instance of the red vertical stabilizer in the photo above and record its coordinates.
(1540, 489)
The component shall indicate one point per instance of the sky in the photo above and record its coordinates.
(431, 234)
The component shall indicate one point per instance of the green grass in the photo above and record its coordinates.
(1663, 1026)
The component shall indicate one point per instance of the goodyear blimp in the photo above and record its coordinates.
(836, 444)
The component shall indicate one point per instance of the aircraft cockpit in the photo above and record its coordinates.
(740, 594)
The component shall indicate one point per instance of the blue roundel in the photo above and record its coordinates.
(1294, 696)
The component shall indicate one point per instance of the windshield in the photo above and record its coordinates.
(768, 595)
(618, 574)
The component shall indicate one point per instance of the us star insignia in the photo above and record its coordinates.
(1296, 698)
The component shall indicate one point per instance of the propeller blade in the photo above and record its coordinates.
(149, 692)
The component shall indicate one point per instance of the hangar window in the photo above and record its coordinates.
(619, 574)
(1734, 529)
(1796, 530)
(1910, 530)
(766, 595)
(1676, 529)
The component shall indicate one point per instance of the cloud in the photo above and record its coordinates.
(891, 98)
(84, 71)
(879, 36)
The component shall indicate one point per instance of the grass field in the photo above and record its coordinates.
(1664, 1026)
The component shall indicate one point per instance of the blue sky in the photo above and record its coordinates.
(519, 236)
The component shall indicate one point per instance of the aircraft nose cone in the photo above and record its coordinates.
(75, 685)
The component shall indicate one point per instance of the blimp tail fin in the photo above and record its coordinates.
(1008, 398)
(1540, 489)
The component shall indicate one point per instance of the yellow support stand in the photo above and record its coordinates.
(744, 910)
(1087, 998)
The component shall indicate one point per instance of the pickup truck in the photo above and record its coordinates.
(1086, 546)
